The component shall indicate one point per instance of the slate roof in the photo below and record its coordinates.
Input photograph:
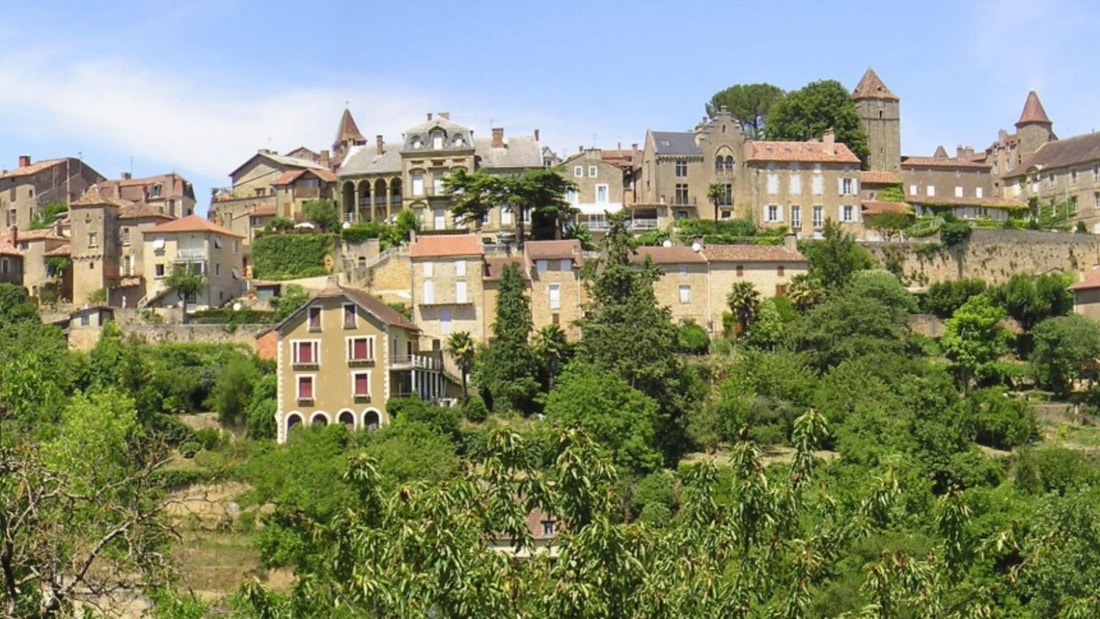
(364, 159)
(521, 151)
(1033, 111)
(751, 253)
(1061, 153)
(192, 223)
(878, 177)
(812, 152)
(450, 131)
(446, 245)
(872, 87)
(677, 254)
(674, 143)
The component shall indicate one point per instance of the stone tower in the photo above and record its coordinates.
(95, 244)
(347, 135)
(1034, 127)
(880, 115)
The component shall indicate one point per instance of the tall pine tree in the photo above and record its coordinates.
(509, 368)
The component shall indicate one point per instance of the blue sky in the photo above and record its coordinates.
(198, 86)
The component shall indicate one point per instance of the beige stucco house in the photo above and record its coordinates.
(557, 291)
(194, 243)
(447, 271)
(342, 356)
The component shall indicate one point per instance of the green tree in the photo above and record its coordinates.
(15, 306)
(975, 336)
(463, 349)
(1066, 350)
(186, 281)
(836, 257)
(540, 192)
(806, 113)
(943, 298)
(231, 395)
(744, 302)
(847, 327)
(805, 291)
(508, 369)
(886, 288)
(890, 224)
(46, 215)
(716, 193)
(260, 417)
(554, 350)
(404, 225)
(293, 297)
(1030, 299)
(323, 213)
(749, 103)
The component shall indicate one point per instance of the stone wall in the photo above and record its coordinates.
(992, 255)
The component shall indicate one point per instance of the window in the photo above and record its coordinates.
(158, 271)
(1072, 207)
(727, 198)
(459, 142)
(683, 270)
(592, 171)
(958, 191)
(1073, 177)
(548, 528)
(235, 245)
(542, 265)
(429, 269)
(305, 352)
(217, 242)
(773, 184)
(602, 194)
(740, 270)
(460, 292)
(1096, 199)
(417, 184)
(773, 213)
(349, 316)
(218, 270)
(796, 216)
(305, 388)
(553, 293)
(361, 348)
(795, 183)
(681, 169)
(930, 190)
(847, 213)
(360, 385)
(460, 268)
(565, 265)
(912, 190)
(847, 186)
(818, 184)
(314, 319)
(818, 216)
(681, 193)
(685, 294)
(505, 215)
(437, 183)
(93, 239)
(978, 192)
(125, 236)
(780, 270)
(578, 171)
(429, 292)
(85, 320)
(1096, 171)
(572, 196)
(437, 141)
(445, 320)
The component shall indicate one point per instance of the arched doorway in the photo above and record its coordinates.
(372, 420)
(319, 419)
(348, 419)
(347, 199)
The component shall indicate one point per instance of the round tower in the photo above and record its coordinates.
(1034, 127)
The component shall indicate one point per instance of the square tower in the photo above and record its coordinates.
(880, 116)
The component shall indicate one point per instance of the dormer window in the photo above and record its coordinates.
(437, 141)
(155, 191)
(459, 142)
(416, 143)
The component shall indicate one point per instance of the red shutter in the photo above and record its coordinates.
(305, 352)
(305, 388)
(359, 349)
(362, 384)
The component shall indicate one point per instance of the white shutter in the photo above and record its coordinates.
(429, 293)
(840, 186)
(429, 269)
(460, 268)
(554, 296)
(818, 183)
(779, 217)
(685, 294)
(460, 292)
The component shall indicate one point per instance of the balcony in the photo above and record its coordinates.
(307, 193)
(190, 255)
(597, 225)
(415, 362)
(683, 201)
(643, 224)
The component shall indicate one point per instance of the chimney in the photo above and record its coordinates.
(536, 135)
(790, 243)
(378, 144)
(24, 161)
(324, 158)
(127, 176)
(429, 117)
(15, 236)
(829, 139)
(960, 152)
(498, 137)
(445, 115)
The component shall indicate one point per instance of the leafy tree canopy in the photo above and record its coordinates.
(749, 103)
(1066, 350)
(808, 112)
(323, 213)
(836, 257)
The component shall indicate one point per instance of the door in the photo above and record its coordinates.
(440, 219)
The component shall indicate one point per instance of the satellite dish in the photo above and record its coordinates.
(696, 246)
(237, 306)
(667, 243)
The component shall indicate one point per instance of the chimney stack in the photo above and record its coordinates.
(378, 143)
(445, 115)
(498, 137)
(324, 158)
(829, 139)
(536, 135)
(127, 176)
(429, 117)
(15, 236)
(24, 161)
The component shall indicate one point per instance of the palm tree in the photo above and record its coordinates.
(744, 302)
(716, 193)
(463, 349)
(553, 347)
(805, 292)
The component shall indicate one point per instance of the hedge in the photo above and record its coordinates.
(289, 256)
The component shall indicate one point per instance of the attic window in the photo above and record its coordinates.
(459, 142)
(155, 192)
(437, 141)
(417, 143)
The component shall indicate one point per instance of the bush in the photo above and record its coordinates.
(691, 339)
(1001, 422)
(229, 316)
(289, 256)
(171, 430)
(174, 479)
(357, 233)
(209, 438)
(954, 232)
(189, 449)
(476, 410)
(441, 419)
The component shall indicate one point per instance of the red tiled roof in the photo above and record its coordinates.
(494, 267)
(62, 250)
(677, 254)
(443, 245)
(135, 189)
(871, 87)
(1090, 281)
(554, 250)
(263, 210)
(290, 176)
(94, 197)
(875, 207)
(941, 162)
(348, 130)
(816, 152)
(375, 306)
(7, 249)
(620, 158)
(139, 210)
(878, 177)
(751, 253)
(40, 235)
(33, 168)
(192, 223)
(1033, 111)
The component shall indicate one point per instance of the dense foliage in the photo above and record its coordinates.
(290, 256)
(808, 112)
(748, 103)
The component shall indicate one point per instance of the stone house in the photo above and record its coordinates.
(343, 356)
(38, 246)
(604, 186)
(95, 245)
(169, 194)
(11, 263)
(493, 269)
(1064, 174)
(769, 268)
(557, 292)
(446, 286)
(1086, 295)
(684, 286)
(31, 185)
(193, 243)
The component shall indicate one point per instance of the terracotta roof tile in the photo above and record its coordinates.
(494, 267)
(7, 249)
(553, 250)
(872, 87)
(290, 176)
(94, 197)
(677, 254)
(875, 207)
(33, 168)
(751, 253)
(140, 210)
(878, 177)
(1090, 281)
(62, 250)
(138, 189)
(375, 306)
(938, 161)
(263, 210)
(1033, 111)
(348, 131)
(40, 234)
(443, 245)
(192, 223)
(816, 152)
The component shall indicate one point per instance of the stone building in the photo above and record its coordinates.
(31, 185)
(11, 263)
(557, 291)
(684, 286)
(94, 246)
(168, 194)
(604, 186)
(769, 268)
(197, 244)
(880, 116)
(446, 286)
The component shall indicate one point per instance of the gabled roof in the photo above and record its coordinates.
(1090, 281)
(364, 159)
(42, 234)
(140, 210)
(137, 189)
(369, 304)
(1033, 111)
(192, 223)
(95, 197)
(7, 249)
(1080, 149)
(809, 152)
(941, 160)
(263, 210)
(878, 177)
(348, 131)
(60, 250)
(33, 168)
(290, 176)
(554, 250)
(871, 87)
(495, 266)
(674, 143)
(751, 253)
(279, 160)
(677, 254)
(446, 245)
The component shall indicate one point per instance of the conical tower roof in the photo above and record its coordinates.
(940, 153)
(1033, 111)
(348, 131)
(870, 86)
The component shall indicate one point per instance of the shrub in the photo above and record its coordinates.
(171, 430)
(289, 256)
(357, 233)
(475, 409)
(174, 479)
(189, 449)
(954, 232)
(209, 438)
(692, 339)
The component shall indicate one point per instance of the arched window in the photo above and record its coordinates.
(371, 420)
(718, 161)
(348, 419)
(293, 420)
(319, 419)
(729, 162)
